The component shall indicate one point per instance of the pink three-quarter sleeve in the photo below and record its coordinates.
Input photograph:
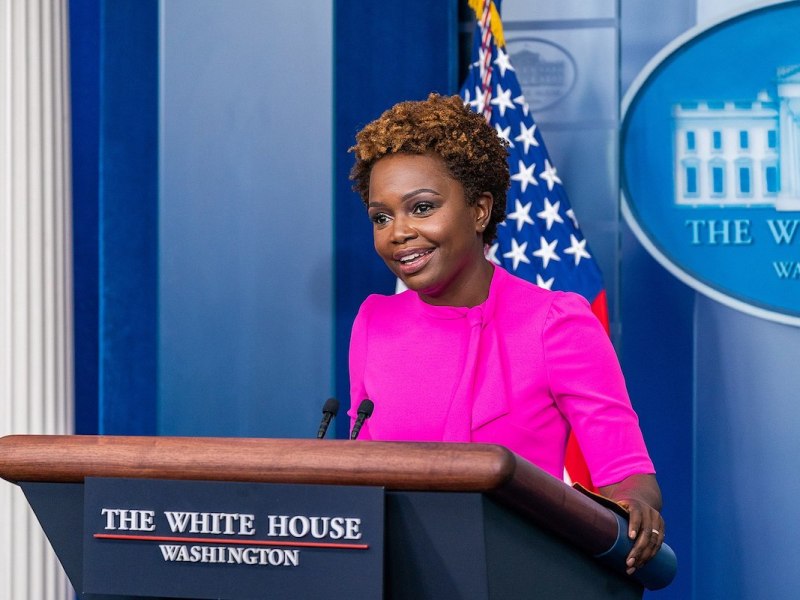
(587, 383)
(358, 359)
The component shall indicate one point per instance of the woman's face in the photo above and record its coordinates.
(425, 231)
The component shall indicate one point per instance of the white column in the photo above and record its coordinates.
(36, 371)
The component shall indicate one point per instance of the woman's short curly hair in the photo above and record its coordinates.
(473, 152)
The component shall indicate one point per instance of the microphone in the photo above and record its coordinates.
(364, 412)
(329, 410)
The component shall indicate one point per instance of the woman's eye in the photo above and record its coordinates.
(422, 208)
(379, 218)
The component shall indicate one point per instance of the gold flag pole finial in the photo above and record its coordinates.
(478, 7)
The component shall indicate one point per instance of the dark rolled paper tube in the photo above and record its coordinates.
(657, 573)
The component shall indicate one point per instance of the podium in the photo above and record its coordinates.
(471, 521)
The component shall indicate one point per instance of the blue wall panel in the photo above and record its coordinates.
(746, 435)
(656, 352)
(656, 343)
(245, 217)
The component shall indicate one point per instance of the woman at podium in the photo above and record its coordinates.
(470, 352)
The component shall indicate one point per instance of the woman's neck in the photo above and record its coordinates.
(469, 290)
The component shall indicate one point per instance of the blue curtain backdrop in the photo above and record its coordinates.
(114, 71)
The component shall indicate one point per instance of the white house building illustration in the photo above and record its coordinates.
(732, 153)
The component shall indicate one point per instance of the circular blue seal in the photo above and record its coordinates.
(711, 160)
(547, 73)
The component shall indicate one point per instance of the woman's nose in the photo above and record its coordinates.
(402, 230)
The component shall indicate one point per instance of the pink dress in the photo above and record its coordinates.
(518, 370)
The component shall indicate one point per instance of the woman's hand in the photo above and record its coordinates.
(641, 496)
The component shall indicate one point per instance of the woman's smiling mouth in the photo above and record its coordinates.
(412, 262)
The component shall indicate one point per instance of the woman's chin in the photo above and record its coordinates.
(409, 283)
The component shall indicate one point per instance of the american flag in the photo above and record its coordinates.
(540, 240)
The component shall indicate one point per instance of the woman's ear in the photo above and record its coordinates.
(483, 211)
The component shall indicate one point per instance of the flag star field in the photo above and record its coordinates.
(540, 241)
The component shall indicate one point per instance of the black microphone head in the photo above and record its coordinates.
(366, 407)
(331, 406)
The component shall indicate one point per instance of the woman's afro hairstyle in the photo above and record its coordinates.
(472, 151)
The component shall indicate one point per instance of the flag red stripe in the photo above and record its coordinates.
(600, 309)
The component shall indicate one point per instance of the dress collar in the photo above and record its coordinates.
(483, 312)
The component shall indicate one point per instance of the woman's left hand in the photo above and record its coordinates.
(641, 497)
(646, 527)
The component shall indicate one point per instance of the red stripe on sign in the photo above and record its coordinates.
(157, 538)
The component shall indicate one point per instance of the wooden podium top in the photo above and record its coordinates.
(407, 466)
